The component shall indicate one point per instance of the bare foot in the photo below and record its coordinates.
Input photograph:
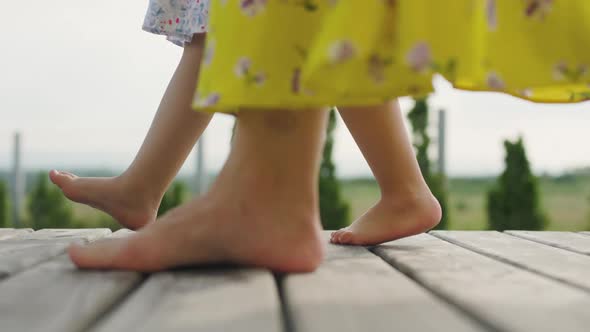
(216, 228)
(391, 219)
(132, 209)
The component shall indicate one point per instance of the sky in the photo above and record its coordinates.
(81, 81)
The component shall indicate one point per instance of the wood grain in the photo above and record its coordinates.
(568, 267)
(354, 290)
(500, 296)
(208, 299)
(563, 240)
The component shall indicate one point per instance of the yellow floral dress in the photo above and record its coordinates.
(266, 54)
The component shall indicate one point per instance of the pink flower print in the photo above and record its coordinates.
(242, 67)
(377, 66)
(209, 51)
(526, 93)
(252, 7)
(538, 7)
(562, 71)
(210, 100)
(582, 70)
(419, 57)
(259, 78)
(491, 14)
(341, 51)
(494, 81)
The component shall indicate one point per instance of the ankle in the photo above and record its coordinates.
(142, 190)
(425, 202)
(406, 194)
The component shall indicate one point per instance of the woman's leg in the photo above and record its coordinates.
(262, 209)
(407, 206)
(133, 198)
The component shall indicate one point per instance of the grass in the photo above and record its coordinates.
(565, 200)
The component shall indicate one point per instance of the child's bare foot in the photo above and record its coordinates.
(242, 229)
(131, 208)
(391, 219)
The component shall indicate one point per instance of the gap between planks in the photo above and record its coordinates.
(551, 262)
(563, 240)
(501, 296)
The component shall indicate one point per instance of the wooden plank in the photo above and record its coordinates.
(354, 290)
(89, 234)
(124, 232)
(585, 233)
(215, 299)
(563, 240)
(559, 264)
(500, 296)
(56, 296)
(9, 233)
(28, 250)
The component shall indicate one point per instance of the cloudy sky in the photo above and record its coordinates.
(82, 82)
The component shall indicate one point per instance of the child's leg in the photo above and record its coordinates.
(407, 206)
(262, 209)
(133, 198)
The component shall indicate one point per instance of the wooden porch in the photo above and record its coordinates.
(441, 281)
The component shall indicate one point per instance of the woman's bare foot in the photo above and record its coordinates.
(262, 210)
(131, 208)
(245, 229)
(391, 219)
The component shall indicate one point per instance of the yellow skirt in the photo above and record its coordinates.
(307, 53)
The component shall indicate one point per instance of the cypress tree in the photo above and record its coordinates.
(4, 206)
(513, 203)
(334, 211)
(418, 117)
(47, 206)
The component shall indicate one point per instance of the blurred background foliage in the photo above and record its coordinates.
(516, 199)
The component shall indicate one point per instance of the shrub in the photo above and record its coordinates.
(334, 211)
(513, 203)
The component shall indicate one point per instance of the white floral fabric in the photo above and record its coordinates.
(178, 20)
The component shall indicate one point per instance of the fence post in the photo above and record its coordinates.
(201, 174)
(18, 182)
(441, 142)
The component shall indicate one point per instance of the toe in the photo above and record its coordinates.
(345, 237)
(60, 178)
(129, 253)
(101, 254)
(335, 235)
(332, 236)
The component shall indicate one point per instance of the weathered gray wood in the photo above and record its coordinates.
(30, 249)
(89, 234)
(501, 296)
(354, 290)
(553, 262)
(122, 233)
(56, 296)
(585, 233)
(564, 240)
(8, 233)
(231, 299)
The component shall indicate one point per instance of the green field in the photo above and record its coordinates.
(565, 200)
